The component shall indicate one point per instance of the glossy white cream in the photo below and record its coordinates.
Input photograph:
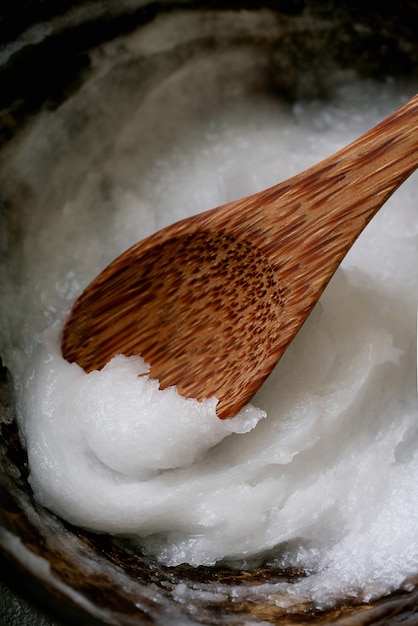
(324, 474)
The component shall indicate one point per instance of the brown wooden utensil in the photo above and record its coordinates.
(213, 301)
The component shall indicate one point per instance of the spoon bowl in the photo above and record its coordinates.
(213, 301)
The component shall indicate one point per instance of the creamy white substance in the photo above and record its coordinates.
(324, 474)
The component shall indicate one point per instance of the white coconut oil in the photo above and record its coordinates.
(322, 472)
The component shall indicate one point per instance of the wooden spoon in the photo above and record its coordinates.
(213, 301)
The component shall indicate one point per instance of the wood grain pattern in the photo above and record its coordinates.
(213, 301)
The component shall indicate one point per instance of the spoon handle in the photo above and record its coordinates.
(342, 193)
(335, 199)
